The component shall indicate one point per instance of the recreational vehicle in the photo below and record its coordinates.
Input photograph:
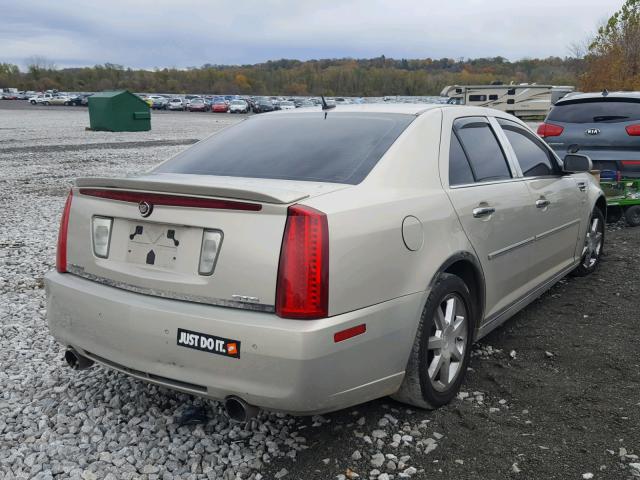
(524, 100)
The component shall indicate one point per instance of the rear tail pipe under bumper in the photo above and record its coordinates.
(239, 410)
(77, 361)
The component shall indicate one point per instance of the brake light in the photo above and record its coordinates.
(302, 289)
(61, 253)
(170, 200)
(633, 130)
(549, 130)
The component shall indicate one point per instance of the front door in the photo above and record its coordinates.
(556, 198)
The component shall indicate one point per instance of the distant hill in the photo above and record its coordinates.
(346, 77)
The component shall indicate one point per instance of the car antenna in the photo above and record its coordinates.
(325, 105)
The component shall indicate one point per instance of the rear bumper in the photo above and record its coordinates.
(284, 365)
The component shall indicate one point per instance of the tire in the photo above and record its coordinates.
(32, 102)
(420, 388)
(593, 245)
(632, 215)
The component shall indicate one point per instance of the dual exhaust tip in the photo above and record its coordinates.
(236, 408)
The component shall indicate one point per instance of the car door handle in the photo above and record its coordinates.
(542, 203)
(483, 212)
(582, 186)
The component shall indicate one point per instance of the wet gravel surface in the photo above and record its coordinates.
(553, 394)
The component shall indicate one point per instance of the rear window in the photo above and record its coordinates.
(596, 111)
(324, 147)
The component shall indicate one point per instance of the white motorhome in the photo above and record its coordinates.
(523, 100)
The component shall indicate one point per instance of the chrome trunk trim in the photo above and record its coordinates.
(218, 302)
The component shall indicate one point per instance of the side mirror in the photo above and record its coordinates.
(576, 163)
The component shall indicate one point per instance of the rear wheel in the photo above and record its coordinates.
(632, 215)
(441, 350)
(593, 245)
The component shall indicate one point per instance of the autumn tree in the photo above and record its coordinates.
(613, 58)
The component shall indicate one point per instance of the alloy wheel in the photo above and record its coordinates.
(447, 343)
(592, 244)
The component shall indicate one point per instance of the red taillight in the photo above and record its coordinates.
(61, 253)
(303, 274)
(633, 130)
(549, 130)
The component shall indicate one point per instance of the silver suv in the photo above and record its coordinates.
(307, 261)
(605, 126)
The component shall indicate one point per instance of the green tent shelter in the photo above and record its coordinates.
(119, 111)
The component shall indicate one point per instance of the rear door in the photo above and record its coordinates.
(556, 197)
(494, 207)
(605, 128)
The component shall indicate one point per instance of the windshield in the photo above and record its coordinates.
(337, 148)
(598, 110)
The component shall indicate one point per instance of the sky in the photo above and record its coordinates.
(186, 33)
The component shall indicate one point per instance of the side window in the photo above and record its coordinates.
(534, 159)
(486, 158)
(477, 98)
(459, 169)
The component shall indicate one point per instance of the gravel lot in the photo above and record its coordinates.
(553, 394)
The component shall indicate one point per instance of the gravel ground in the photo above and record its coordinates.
(553, 394)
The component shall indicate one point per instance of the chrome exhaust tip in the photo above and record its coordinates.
(77, 361)
(238, 410)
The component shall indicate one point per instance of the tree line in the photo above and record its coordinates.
(334, 77)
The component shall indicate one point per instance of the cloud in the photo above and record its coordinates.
(147, 34)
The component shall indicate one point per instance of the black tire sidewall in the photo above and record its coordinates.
(632, 215)
(446, 285)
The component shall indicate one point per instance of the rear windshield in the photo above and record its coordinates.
(333, 147)
(596, 111)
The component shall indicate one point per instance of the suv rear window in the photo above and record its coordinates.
(610, 110)
(337, 148)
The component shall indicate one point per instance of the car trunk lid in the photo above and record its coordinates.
(158, 252)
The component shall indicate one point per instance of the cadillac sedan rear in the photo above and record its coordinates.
(238, 269)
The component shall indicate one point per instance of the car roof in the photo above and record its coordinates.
(403, 108)
(580, 97)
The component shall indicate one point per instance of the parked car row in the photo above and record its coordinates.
(191, 103)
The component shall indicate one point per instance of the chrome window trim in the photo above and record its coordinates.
(488, 182)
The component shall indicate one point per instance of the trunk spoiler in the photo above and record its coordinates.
(257, 190)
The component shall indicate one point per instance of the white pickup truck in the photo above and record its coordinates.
(41, 99)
